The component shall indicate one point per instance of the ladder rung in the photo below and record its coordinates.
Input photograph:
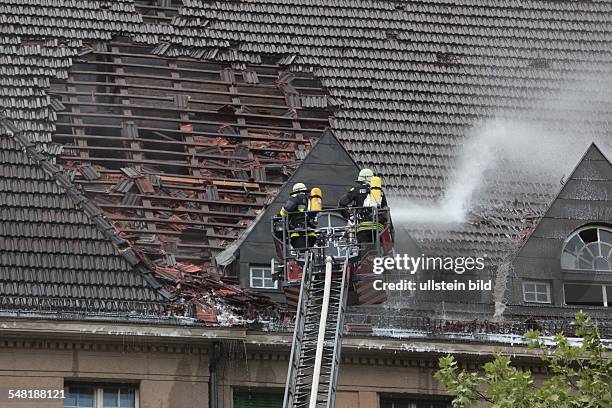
(307, 332)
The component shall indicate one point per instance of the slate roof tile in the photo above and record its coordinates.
(411, 79)
(43, 233)
(397, 90)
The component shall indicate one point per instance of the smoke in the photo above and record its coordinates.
(505, 150)
(498, 148)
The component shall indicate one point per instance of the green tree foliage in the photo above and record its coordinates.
(580, 375)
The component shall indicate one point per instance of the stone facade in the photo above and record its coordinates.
(171, 366)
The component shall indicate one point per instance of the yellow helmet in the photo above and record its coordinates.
(365, 175)
(299, 188)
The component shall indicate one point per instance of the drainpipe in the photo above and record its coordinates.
(213, 382)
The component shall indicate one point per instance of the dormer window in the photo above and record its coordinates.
(588, 249)
(261, 278)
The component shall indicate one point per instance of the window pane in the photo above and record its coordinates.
(128, 398)
(78, 396)
(602, 264)
(536, 292)
(574, 245)
(585, 262)
(588, 250)
(261, 277)
(583, 294)
(255, 399)
(605, 236)
(268, 283)
(70, 397)
(412, 403)
(111, 397)
(85, 398)
(589, 235)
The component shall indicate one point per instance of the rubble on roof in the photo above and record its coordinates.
(183, 175)
(155, 147)
(178, 173)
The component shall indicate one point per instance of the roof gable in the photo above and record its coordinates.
(584, 199)
(315, 171)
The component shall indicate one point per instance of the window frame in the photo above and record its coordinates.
(411, 401)
(98, 391)
(263, 279)
(535, 292)
(576, 233)
(270, 392)
(606, 297)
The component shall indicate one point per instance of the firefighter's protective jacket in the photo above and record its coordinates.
(356, 197)
(296, 208)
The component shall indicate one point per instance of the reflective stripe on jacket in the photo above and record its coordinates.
(370, 226)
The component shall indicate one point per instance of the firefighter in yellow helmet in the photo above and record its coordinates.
(359, 196)
(299, 220)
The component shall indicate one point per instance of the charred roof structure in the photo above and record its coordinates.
(148, 135)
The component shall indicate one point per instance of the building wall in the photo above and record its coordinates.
(361, 380)
(175, 373)
(178, 376)
(167, 377)
(175, 380)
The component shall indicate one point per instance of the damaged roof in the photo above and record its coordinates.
(181, 155)
(405, 82)
(415, 78)
(170, 158)
(55, 258)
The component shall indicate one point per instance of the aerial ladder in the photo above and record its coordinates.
(323, 273)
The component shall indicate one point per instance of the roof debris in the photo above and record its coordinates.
(406, 106)
(176, 182)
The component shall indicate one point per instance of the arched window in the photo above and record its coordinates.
(588, 249)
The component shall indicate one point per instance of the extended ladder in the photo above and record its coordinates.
(317, 338)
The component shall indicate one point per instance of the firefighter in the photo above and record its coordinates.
(299, 219)
(360, 196)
